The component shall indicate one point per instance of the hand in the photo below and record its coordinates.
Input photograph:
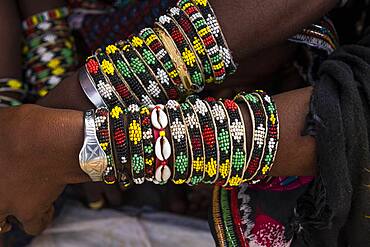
(38, 157)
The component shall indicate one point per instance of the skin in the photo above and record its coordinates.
(59, 134)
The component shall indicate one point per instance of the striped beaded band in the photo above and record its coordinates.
(205, 34)
(272, 137)
(227, 218)
(6, 101)
(182, 19)
(154, 43)
(209, 134)
(104, 138)
(259, 123)
(179, 142)
(211, 19)
(217, 218)
(136, 144)
(143, 72)
(55, 25)
(123, 69)
(120, 144)
(151, 60)
(238, 143)
(105, 89)
(219, 115)
(111, 73)
(148, 143)
(12, 85)
(52, 14)
(162, 147)
(196, 147)
(188, 56)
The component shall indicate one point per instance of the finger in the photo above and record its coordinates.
(37, 225)
(113, 195)
(94, 195)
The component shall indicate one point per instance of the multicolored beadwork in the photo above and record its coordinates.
(135, 135)
(143, 72)
(259, 123)
(148, 143)
(212, 22)
(124, 71)
(151, 60)
(120, 144)
(220, 117)
(105, 89)
(238, 143)
(195, 141)
(155, 44)
(120, 86)
(272, 138)
(188, 29)
(103, 134)
(208, 130)
(179, 142)
(52, 14)
(185, 49)
(208, 39)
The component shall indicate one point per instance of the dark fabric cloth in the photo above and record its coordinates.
(341, 100)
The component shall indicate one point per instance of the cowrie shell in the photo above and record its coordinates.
(162, 148)
(162, 174)
(159, 117)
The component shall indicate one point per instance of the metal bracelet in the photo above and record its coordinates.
(89, 88)
(93, 160)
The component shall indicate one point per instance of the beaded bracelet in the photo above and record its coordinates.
(136, 144)
(272, 137)
(196, 147)
(109, 70)
(104, 138)
(208, 130)
(56, 25)
(179, 142)
(238, 143)
(154, 43)
(148, 143)
(188, 29)
(259, 123)
(219, 115)
(162, 145)
(6, 101)
(105, 89)
(184, 48)
(143, 72)
(176, 59)
(208, 14)
(151, 60)
(208, 39)
(120, 144)
(127, 75)
(53, 14)
(15, 86)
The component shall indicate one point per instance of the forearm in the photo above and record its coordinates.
(250, 26)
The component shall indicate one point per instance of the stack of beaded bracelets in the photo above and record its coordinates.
(49, 50)
(198, 141)
(182, 52)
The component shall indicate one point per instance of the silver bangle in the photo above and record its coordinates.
(89, 88)
(93, 160)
